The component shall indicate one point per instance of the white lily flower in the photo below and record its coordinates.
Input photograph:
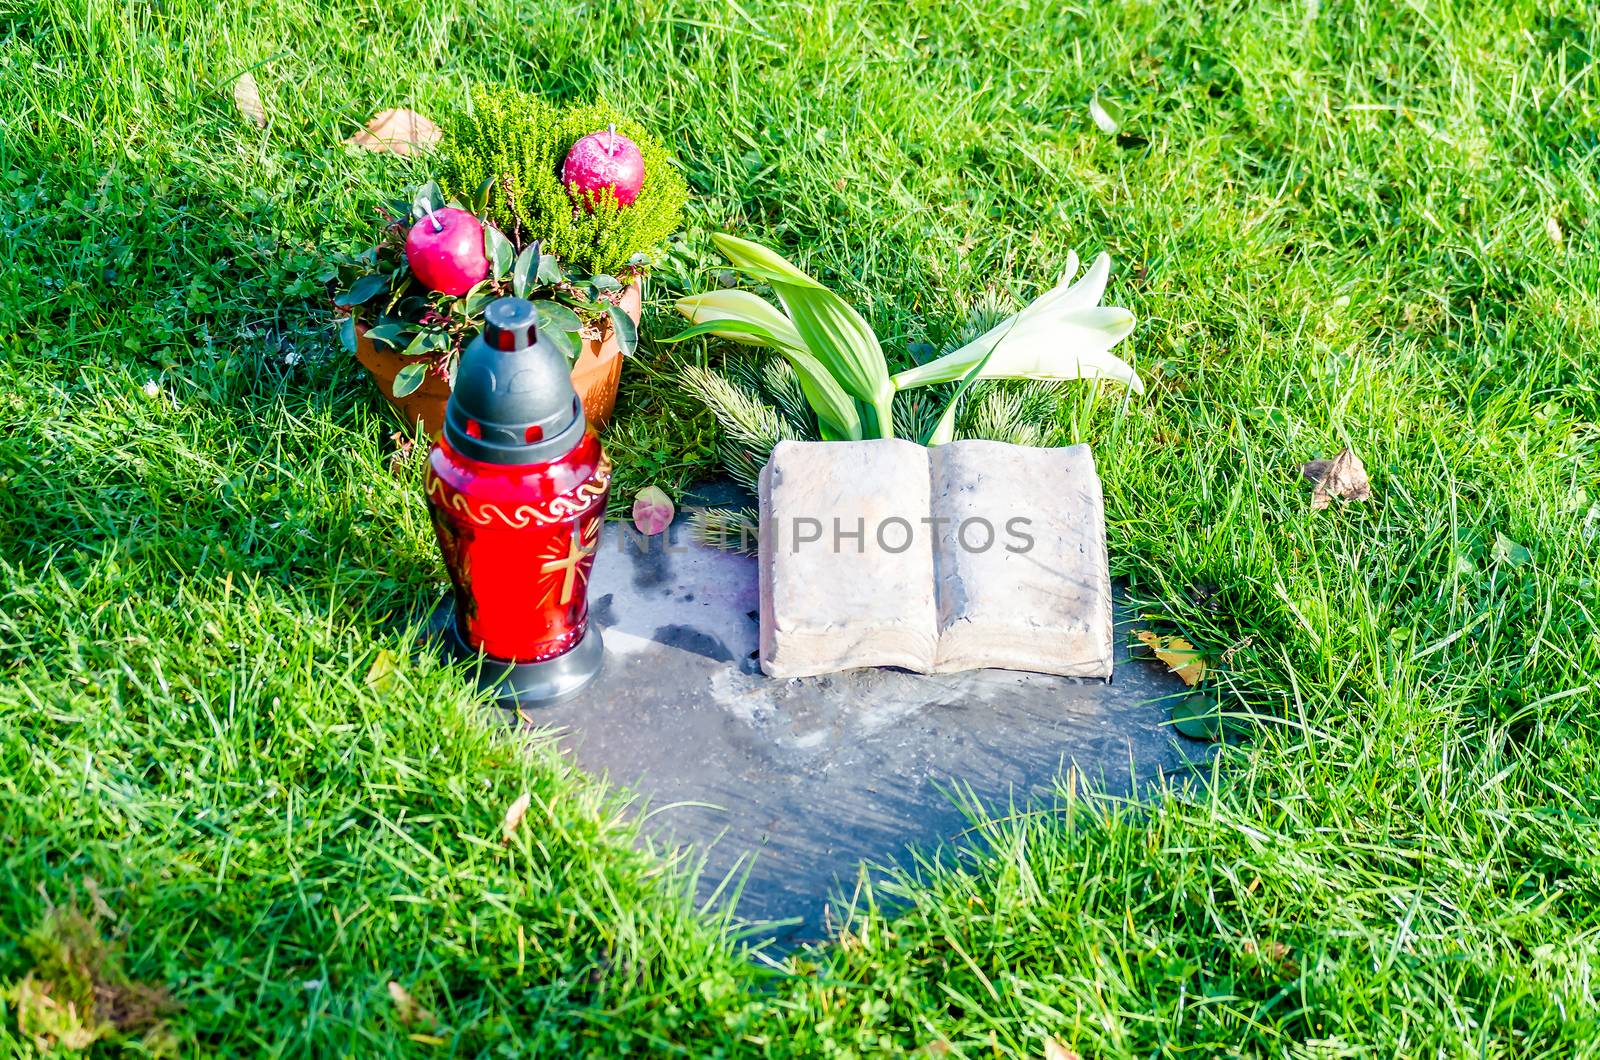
(1063, 334)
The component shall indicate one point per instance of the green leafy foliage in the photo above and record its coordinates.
(497, 248)
(435, 327)
(514, 143)
(409, 378)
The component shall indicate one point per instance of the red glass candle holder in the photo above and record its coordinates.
(517, 490)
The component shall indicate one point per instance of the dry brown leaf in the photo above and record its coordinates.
(247, 97)
(408, 1008)
(514, 815)
(1345, 477)
(937, 1047)
(401, 131)
(1054, 1050)
(1227, 656)
(1273, 950)
(1181, 657)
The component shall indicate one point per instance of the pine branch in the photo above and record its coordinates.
(1003, 415)
(782, 385)
(742, 415)
(728, 529)
(750, 428)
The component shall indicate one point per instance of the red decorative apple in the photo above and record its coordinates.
(604, 160)
(445, 250)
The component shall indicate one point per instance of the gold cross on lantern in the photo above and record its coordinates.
(576, 554)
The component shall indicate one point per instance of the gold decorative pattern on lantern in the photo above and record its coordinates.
(561, 509)
(571, 561)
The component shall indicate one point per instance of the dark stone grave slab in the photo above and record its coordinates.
(795, 783)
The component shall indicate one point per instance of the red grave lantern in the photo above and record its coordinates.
(517, 491)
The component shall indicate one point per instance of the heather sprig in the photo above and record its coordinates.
(515, 142)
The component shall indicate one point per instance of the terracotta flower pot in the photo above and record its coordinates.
(598, 371)
(426, 403)
(595, 375)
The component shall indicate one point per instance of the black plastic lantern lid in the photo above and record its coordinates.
(513, 401)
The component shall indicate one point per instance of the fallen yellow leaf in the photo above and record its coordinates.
(1054, 1050)
(384, 671)
(410, 1011)
(514, 814)
(247, 97)
(1181, 657)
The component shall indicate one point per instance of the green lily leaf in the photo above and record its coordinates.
(753, 257)
(832, 331)
(845, 345)
(745, 332)
(739, 305)
(944, 431)
(347, 334)
(837, 414)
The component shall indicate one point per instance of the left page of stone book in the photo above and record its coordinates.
(846, 558)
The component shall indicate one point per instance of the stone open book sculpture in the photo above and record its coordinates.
(956, 557)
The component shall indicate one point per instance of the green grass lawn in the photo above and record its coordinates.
(1361, 223)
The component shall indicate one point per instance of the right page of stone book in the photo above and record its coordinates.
(1021, 579)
